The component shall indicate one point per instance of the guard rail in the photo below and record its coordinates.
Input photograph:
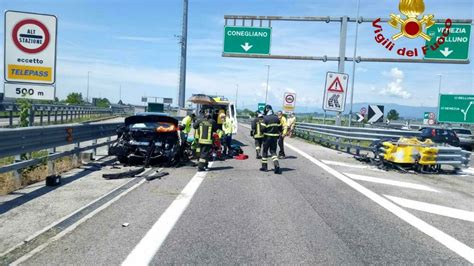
(14, 142)
(359, 139)
(63, 113)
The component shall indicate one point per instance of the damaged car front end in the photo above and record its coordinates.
(148, 138)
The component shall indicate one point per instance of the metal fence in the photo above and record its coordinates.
(57, 114)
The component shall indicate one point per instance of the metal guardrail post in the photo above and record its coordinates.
(56, 116)
(76, 158)
(94, 153)
(348, 148)
(10, 119)
(358, 148)
(62, 116)
(32, 117)
(49, 117)
(51, 163)
(41, 117)
(338, 141)
(17, 173)
(108, 140)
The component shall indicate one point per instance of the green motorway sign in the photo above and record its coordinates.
(247, 40)
(456, 45)
(456, 109)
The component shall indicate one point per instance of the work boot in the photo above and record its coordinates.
(264, 167)
(277, 170)
(200, 169)
(259, 157)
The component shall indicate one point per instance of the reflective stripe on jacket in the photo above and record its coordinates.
(228, 127)
(205, 132)
(272, 126)
(186, 122)
(258, 134)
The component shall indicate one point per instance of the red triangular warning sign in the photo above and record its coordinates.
(336, 86)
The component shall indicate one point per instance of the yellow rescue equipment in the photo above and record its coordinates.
(410, 151)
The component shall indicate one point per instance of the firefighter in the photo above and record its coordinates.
(271, 131)
(227, 128)
(281, 138)
(205, 128)
(257, 133)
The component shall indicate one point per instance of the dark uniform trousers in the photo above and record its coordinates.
(281, 145)
(258, 145)
(204, 155)
(270, 144)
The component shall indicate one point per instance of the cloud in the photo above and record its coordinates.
(142, 39)
(394, 88)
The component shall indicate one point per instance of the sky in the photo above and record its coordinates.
(133, 45)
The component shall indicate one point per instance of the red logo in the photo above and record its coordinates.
(30, 36)
(411, 26)
(336, 86)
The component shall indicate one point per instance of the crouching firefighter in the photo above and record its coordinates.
(257, 133)
(271, 130)
(205, 128)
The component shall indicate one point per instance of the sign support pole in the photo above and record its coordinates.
(354, 63)
(184, 44)
(342, 56)
(439, 93)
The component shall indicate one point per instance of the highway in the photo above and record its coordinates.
(326, 208)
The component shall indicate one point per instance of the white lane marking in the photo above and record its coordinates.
(75, 225)
(433, 208)
(345, 164)
(350, 165)
(146, 249)
(390, 182)
(31, 237)
(448, 241)
(469, 171)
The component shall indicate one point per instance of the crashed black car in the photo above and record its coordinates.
(148, 138)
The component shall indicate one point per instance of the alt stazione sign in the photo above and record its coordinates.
(30, 47)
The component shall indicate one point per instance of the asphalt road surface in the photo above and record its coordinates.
(324, 209)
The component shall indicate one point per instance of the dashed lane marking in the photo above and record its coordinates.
(146, 249)
(390, 182)
(432, 208)
(448, 241)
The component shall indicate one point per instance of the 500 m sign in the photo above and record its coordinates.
(29, 91)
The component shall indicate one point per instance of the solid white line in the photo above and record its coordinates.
(390, 182)
(75, 225)
(448, 241)
(345, 164)
(146, 249)
(432, 208)
(53, 224)
(469, 171)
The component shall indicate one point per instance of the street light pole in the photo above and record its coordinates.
(268, 78)
(236, 96)
(87, 96)
(439, 92)
(354, 63)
